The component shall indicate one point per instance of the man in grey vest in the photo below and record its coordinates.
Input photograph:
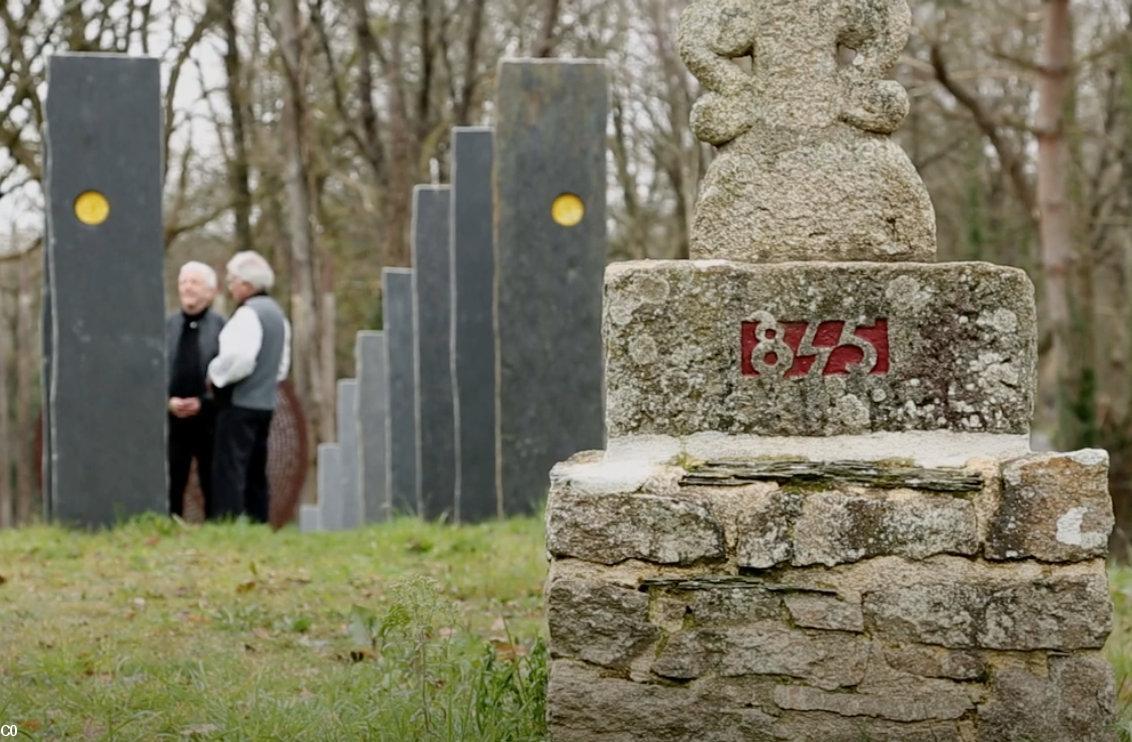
(255, 355)
(192, 340)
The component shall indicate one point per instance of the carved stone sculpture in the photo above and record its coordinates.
(805, 168)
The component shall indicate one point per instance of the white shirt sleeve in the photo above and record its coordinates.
(240, 341)
(285, 361)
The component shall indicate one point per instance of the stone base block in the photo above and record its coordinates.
(763, 599)
(817, 349)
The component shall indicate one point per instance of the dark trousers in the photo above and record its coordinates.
(239, 463)
(190, 438)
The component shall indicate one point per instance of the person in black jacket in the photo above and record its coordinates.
(192, 338)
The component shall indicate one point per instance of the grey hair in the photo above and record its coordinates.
(253, 268)
(203, 270)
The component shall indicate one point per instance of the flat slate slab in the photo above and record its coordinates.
(400, 353)
(369, 354)
(331, 503)
(549, 256)
(473, 324)
(105, 386)
(349, 447)
(432, 307)
(818, 349)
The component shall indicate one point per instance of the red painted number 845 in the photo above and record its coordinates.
(796, 350)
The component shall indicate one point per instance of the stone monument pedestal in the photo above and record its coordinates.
(763, 598)
(819, 517)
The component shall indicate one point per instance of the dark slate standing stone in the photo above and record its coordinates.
(401, 429)
(432, 308)
(550, 142)
(348, 444)
(473, 324)
(331, 503)
(369, 354)
(105, 384)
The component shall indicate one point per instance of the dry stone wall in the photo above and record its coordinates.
(802, 604)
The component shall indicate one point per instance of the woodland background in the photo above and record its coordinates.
(298, 127)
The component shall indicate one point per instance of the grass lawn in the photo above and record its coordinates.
(401, 631)
(157, 630)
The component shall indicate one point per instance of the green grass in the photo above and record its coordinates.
(402, 631)
(157, 630)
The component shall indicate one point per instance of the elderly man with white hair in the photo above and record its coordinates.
(192, 341)
(255, 355)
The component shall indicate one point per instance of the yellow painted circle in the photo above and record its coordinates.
(91, 207)
(568, 210)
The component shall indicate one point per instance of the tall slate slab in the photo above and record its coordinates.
(401, 428)
(473, 324)
(550, 250)
(105, 343)
(373, 404)
(348, 444)
(331, 503)
(432, 313)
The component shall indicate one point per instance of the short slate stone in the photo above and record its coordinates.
(584, 704)
(828, 727)
(1053, 507)
(353, 510)
(818, 611)
(473, 323)
(608, 529)
(104, 354)
(432, 312)
(309, 519)
(920, 701)
(1076, 702)
(818, 349)
(597, 622)
(400, 354)
(1071, 612)
(373, 407)
(836, 528)
(331, 502)
(548, 274)
(827, 660)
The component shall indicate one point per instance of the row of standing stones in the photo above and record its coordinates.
(488, 369)
(818, 516)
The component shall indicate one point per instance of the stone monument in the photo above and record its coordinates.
(818, 516)
(104, 335)
(473, 324)
(550, 239)
(373, 406)
(401, 386)
(432, 329)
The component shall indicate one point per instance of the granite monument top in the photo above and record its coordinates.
(806, 169)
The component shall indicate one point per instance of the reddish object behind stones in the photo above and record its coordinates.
(287, 453)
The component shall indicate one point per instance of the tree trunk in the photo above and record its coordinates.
(239, 175)
(1055, 220)
(7, 440)
(28, 351)
(304, 283)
